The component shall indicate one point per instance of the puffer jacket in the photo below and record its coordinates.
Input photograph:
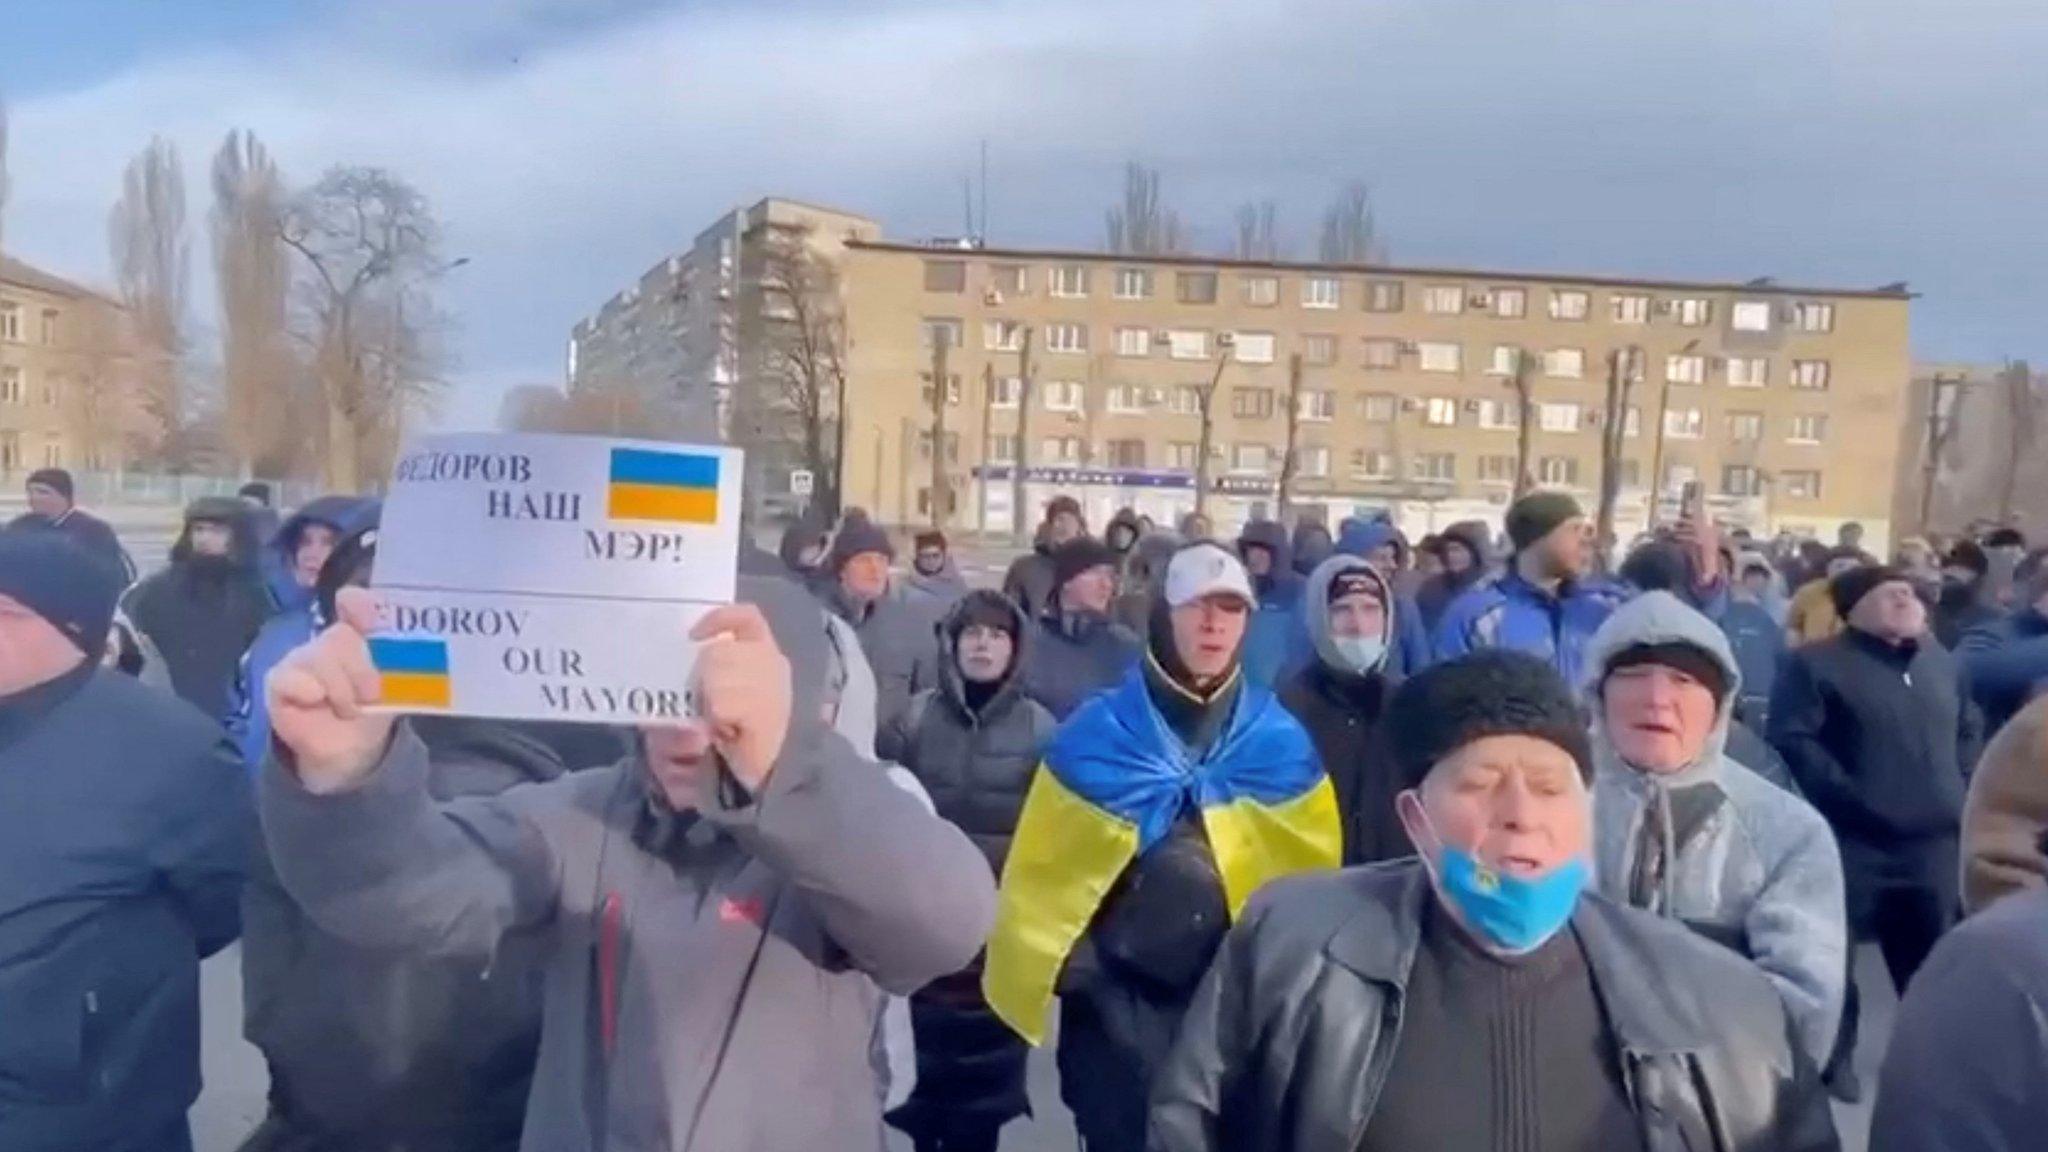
(1290, 1038)
(1506, 611)
(1075, 655)
(1743, 862)
(976, 766)
(898, 635)
(383, 1051)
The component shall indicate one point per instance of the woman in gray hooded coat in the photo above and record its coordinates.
(1683, 830)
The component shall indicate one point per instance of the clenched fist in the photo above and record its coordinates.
(317, 696)
(743, 691)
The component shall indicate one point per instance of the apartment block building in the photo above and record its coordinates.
(1785, 402)
(692, 327)
(42, 325)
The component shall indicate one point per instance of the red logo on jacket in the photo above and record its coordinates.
(745, 909)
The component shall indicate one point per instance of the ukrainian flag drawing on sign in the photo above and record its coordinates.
(677, 487)
(413, 673)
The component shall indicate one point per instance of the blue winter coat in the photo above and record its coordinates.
(2004, 663)
(1506, 611)
(1759, 643)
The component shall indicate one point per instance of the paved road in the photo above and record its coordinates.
(235, 1080)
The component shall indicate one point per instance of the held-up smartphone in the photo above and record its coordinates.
(1692, 502)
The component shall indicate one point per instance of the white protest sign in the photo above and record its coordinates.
(539, 577)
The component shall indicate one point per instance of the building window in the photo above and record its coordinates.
(1683, 423)
(1631, 309)
(1438, 466)
(1506, 360)
(1260, 291)
(1443, 300)
(1126, 453)
(11, 390)
(1187, 344)
(1686, 369)
(1558, 417)
(1693, 311)
(1565, 363)
(1060, 450)
(1124, 400)
(1814, 317)
(10, 321)
(1185, 400)
(1497, 469)
(1065, 396)
(924, 446)
(1436, 357)
(1069, 338)
(1134, 341)
(1372, 465)
(1195, 287)
(1377, 408)
(1800, 484)
(49, 333)
(1745, 427)
(1316, 404)
(52, 382)
(1741, 480)
(1067, 281)
(1251, 403)
(1010, 279)
(1510, 303)
(10, 451)
(1181, 454)
(1246, 457)
(1808, 428)
(1632, 421)
(1321, 292)
(1440, 412)
(1319, 349)
(1005, 391)
(945, 276)
(937, 328)
(1312, 461)
(924, 391)
(1567, 304)
(1810, 374)
(1748, 372)
(1002, 448)
(1382, 353)
(1750, 316)
(1383, 296)
(1559, 470)
(1252, 347)
(1134, 283)
(1002, 335)
(1500, 415)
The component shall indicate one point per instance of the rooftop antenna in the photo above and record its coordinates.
(983, 233)
(967, 203)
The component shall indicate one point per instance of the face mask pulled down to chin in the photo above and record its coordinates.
(1513, 914)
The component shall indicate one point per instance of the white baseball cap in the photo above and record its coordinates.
(1206, 569)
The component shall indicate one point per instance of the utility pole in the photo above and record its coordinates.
(941, 339)
(1289, 467)
(1941, 428)
(1020, 523)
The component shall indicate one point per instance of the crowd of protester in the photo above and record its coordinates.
(1311, 837)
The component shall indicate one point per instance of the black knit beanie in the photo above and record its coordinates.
(56, 480)
(1849, 588)
(64, 584)
(1079, 555)
(1537, 515)
(855, 538)
(1491, 692)
(1690, 659)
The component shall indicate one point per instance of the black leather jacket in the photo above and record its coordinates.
(1290, 1037)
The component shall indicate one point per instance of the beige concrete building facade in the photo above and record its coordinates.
(41, 333)
(1787, 403)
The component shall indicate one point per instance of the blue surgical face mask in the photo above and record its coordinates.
(1515, 914)
(1361, 653)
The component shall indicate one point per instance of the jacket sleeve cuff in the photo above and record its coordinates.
(728, 804)
(391, 790)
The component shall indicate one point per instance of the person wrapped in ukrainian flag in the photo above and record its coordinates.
(1161, 805)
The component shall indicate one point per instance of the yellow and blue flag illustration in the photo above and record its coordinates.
(412, 672)
(677, 487)
(1111, 786)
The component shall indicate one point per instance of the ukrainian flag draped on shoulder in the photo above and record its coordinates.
(1111, 786)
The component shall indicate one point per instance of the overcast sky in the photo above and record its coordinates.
(570, 144)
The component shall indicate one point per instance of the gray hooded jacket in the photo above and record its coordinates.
(710, 983)
(1746, 863)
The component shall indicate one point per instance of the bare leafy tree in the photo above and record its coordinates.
(369, 246)
(1945, 396)
(803, 356)
(1258, 231)
(152, 266)
(98, 398)
(1350, 235)
(1523, 382)
(253, 272)
(1142, 225)
(590, 407)
(2022, 410)
(1290, 455)
(1020, 466)
(1624, 372)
